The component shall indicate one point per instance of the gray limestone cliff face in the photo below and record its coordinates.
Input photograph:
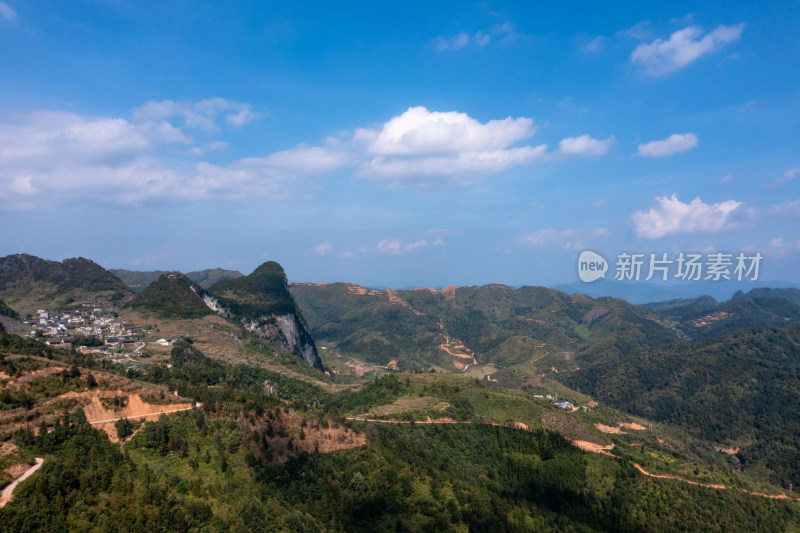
(288, 333)
(262, 303)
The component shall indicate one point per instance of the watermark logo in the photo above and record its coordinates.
(591, 266)
(715, 266)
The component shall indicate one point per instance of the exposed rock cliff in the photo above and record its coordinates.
(263, 305)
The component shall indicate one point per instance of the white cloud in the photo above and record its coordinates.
(595, 46)
(787, 208)
(201, 115)
(638, 31)
(59, 157)
(788, 176)
(502, 33)
(456, 42)
(304, 159)
(323, 249)
(213, 146)
(242, 117)
(674, 144)
(395, 247)
(7, 11)
(779, 248)
(425, 143)
(422, 132)
(725, 179)
(670, 216)
(584, 146)
(352, 253)
(152, 156)
(683, 47)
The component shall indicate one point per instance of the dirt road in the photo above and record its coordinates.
(595, 448)
(8, 492)
(134, 417)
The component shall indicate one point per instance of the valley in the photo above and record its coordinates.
(460, 408)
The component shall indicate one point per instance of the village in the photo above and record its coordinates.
(91, 329)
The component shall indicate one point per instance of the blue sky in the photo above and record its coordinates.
(414, 144)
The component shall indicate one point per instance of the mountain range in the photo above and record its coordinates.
(532, 408)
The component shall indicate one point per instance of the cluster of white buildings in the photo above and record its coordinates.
(61, 327)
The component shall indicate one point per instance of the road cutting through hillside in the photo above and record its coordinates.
(145, 415)
(8, 493)
(588, 447)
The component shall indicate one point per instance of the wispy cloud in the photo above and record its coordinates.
(787, 176)
(197, 115)
(780, 248)
(671, 216)
(789, 208)
(322, 249)
(501, 33)
(674, 144)
(546, 236)
(682, 48)
(584, 146)
(7, 12)
(396, 247)
(595, 46)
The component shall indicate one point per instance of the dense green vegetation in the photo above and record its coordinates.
(194, 472)
(217, 384)
(213, 469)
(497, 323)
(5, 310)
(207, 278)
(135, 279)
(262, 293)
(172, 295)
(258, 300)
(743, 389)
(77, 273)
(704, 318)
(792, 294)
(139, 280)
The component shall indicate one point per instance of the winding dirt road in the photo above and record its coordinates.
(8, 492)
(592, 448)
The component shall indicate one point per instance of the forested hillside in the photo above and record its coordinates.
(742, 391)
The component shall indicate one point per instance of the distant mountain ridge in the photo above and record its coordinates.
(456, 327)
(792, 294)
(27, 282)
(644, 292)
(172, 295)
(139, 280)
(705, 318)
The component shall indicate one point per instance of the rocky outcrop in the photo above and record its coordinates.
(288, 333)
(261, 302)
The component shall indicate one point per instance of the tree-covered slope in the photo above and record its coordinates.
(28, 282)
(493, 323)
(207, 278)
(741, 390)
(172, 295)
(76, 273)
(224, 467)
(704, 318)
(262, 303)
(139, 280)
